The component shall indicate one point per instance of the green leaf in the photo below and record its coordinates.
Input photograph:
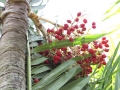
(35, 1)
(117, 3)
(33, 44)
(77, 84)
(40, 69)
(3, 1)
(108, 67)
(34, 37)
(39, 60)
(38, 7)
(64, 43)
(64, 78)
(57, 71)
(117, 79)
(114, 5)
(1, 7)
(31, 30)
(40, 75)
(112, 14)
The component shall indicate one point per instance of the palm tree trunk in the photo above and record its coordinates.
(13, 46)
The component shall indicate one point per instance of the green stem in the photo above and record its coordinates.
(29, 81)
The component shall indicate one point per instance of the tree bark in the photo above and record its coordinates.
(13, 45)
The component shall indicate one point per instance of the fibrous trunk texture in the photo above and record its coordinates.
(13, 46)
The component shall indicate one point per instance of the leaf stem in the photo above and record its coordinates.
(29, 81)
(53, 23)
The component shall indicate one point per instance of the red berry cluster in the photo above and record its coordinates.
(97, 49)
(71, 30)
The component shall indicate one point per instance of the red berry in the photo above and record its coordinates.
(76, 26)
(57, 57)
(91, 51)
(89, 69)
(46, 52)
(95, 42)
(57, 32)
(93, 23)
(103, 56)
(78, 31)
(103, 42)
(65, 26)
(60, 30)
(77, 19)
(72, 29)
(56, 36)
(106, 41)
(82, 49)
(85, 45)
(96, 46)
(79, 62)
(60, 37)
(56, 61)
(36, 80)
(79, 14)
(69, 21)
(103, 38)
(85, 20)
(106, 45)
(93, 26)
(69, 56)
(68, 32)
(100, 45)
(94, 56)
(71, 39)
(106, 50)
(87, 60)
(83, 29)
(47, 62)
(82, 25)
(59, 53)
(64, 49)
(104, 63)
(82, 32)
(68, 53)
(41, 53)
(94, 61)
(52, 31)
(48, 30)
